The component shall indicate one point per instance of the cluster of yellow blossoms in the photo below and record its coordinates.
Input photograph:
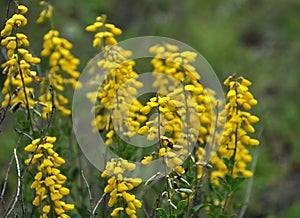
(185, 113)
(170, 62)
(118, 187)
(48, 182)
(63, 66)
(19, 61)
(119, 75)
(46, 12)
(169, 122)
(235, 137)
(106, 32)
(61, 63)
(186, 105)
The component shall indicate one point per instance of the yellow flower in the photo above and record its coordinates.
(122, 187)
(144, 130)
(108, 188)
(64, 191)
(145, 110)
(180, 170)
(46, 209)
(68, 207)
(30, 148)
(253, 142)
(136, 181)
(147, 160)
(59, 160)
(116, 211)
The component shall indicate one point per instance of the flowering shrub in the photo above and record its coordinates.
(197, 145)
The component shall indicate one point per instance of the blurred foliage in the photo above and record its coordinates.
(257, 39)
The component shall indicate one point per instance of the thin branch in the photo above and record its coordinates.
(3, 112)
(24, 133)
(29, 116)
(52, 110)
(145, 211)
(81, 185)
(11, 208)
(93, 214)
(89, 190)
(158, 201)
(5, 181)
(7, 10)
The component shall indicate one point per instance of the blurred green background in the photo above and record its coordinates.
(257, 39)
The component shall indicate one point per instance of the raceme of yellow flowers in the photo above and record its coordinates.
(182, 109)
(19, 76)
(235, 138)
(62, 63)
(118, 70)
(170, 62)
(238, 126)
(105, 32)
(119, 186)
(63, 66)
(46, 13)
(48, 181)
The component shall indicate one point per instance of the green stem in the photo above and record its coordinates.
(229, 192)
(227, 199)
(165, 167)
(27, 101)
(29, 117)
(236, 137)
(187, 127)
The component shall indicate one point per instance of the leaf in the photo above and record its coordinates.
(181, 205)
(219, 194)
(36, 134)
(199, 207)
(162, 213)
(223, 181)
(236, 182)
(239, 205)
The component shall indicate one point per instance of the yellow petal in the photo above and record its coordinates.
(64, 191)
(46, 209)
(68, 207)
(116, 211)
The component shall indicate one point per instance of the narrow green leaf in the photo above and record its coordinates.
(199, 207)
(162, 213)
